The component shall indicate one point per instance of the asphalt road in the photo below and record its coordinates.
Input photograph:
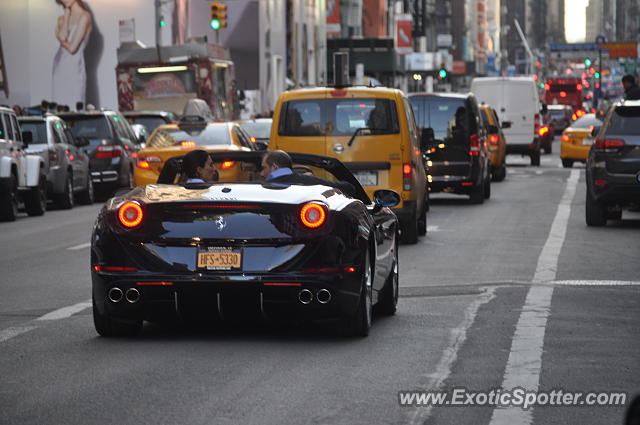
(517, 291)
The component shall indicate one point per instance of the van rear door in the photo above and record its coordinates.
(521, 109)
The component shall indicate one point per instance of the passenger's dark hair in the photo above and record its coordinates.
(629, 79)
(280, 158)
(191, 162)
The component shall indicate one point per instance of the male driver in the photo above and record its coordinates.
(631, 89)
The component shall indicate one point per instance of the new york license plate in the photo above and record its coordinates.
(367, 178)
(218, 258)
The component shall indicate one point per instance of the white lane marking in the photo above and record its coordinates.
(65, 312)
(596, 282)
(457, 337)
(9, 333)
(525, 359)
(81, 246)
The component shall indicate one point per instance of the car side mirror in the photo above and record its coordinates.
(386, 198)
(27, 138)
(427, 137)
(506, 124)
(594, 131)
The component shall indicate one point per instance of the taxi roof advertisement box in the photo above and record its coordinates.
(403, 36)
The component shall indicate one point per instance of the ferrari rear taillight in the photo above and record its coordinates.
(114, 269)
(313, 215)
(407, 170)
(604, 144)
(474, 145)
(109, 151)
(130, 214)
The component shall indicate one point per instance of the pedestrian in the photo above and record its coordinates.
(631, 89)
(197, 167)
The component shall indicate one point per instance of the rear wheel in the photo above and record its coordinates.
(86, 197)
(487, 189)
(107, 326)
(388, 303)
(9, 200)
(35, 201)
(498, 174)
(535, 158)
(547, 148)
(595, 212)
(410, 229)
(476, 196)
(360, 323)
(422, 223)
(567, 163)
(65, 199)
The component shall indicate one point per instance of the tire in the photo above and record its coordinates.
(87, 196)
(128, 180)
(476, 196)
(388, 302)
(547, 148)
(535, 158)
(567, 163)
(9, 200)
(35, 201)
(65, 199)
(410, 229)
(498, 174)
(487, 189)
(595, 212)
(359, 324)
(422, 223)
(107, 327)
(614, 215)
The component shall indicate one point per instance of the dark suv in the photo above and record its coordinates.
(613, 165)
(112, 146)
(454, 144)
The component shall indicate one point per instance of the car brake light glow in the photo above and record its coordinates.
(187, 144)
(143, 164)
(154, 283)
(253, 140)
(312, 215)
(282, 284)
(565, 138)
(563, 94)
(130, 214)
(114, 269)
(349, 269)
(600, 182)
(467, 183)
(543, 130)
(474, 145)
(494, 139)
(406, 176)
(227, 164)
(608, 144)
(108, 151)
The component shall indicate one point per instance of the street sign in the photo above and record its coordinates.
(621, 50)
(403, 38)
(421, 61)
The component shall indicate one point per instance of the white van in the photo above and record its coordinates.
(516, 101)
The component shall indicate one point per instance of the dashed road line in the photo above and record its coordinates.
(63, 313)
(9, 333)
(78, 247)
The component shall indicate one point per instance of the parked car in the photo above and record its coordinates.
(371, 130)
(577, 139)
(497, 143)
(559, 117)
(22, 176)
(516, 101)
(248, 248)
(112, 147)
(456, 151)
(150, 119)
(613, 165)
(259, 130)
(191, 132)
(66, 164)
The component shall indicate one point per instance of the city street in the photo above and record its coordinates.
(515, 292)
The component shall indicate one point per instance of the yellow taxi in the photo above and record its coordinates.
(577, 140)
(190, 133)
(372, 130)
(497, 143)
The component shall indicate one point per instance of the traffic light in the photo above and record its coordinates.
(218, 15)
(442, 73)
(596, 75)
(587, 62)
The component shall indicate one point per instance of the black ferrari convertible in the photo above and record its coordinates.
(244, 246)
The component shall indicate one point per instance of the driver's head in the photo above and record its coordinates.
(628, 81)
(273, 160)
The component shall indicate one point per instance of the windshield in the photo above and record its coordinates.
(625, 120)
(338, 117)
(586, 121)
(257, 129)
(214, 134)
(150, 122)
(439, 113)
(89, 127)
(37, 129)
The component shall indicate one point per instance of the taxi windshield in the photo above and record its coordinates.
(338, 117)
(196, 135)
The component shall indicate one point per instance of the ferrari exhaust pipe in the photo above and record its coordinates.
(132, 295)
(323, 296)
(305, 296)
(115, 294)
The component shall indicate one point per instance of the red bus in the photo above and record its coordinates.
(564, 91)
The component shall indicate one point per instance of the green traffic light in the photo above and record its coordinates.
(541, 85)
(442, 73)
(215, 24)
(587, 62)
(597, 75)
